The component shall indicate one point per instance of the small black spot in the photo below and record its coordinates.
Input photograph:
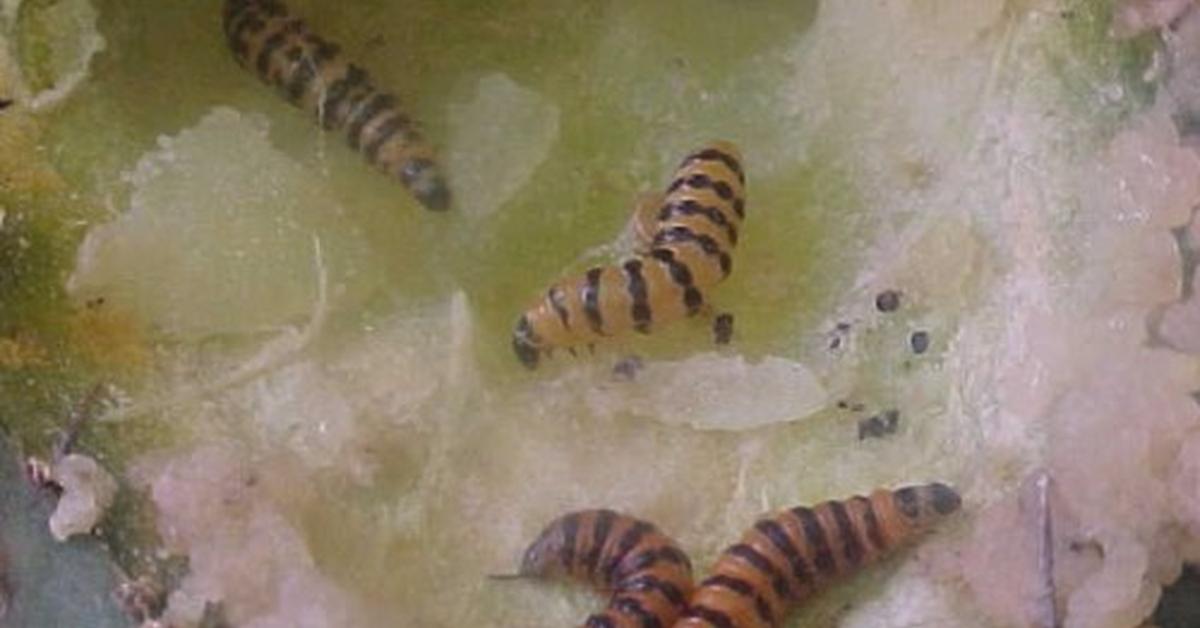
(919, 341)
(887, 301)
(627, 368)
(723, 329)
(5, 103)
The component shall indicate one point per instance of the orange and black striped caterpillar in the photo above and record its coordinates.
(684, 249)
(781, 561)
(784, 559)
(649, 577)
(310, 73)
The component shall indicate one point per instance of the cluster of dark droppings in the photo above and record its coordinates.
(919, 342)
(879, 425)
(853, 406)
(840, 331)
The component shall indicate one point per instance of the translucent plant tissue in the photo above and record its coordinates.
(330, 424)
(215, 241)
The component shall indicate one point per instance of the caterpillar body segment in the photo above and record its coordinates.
(685, 246)
(783, 559)
(644, 222)
(311, 73)
(648, 577)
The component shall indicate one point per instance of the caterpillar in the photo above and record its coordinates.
(685, 244)
(783, 559)
(309, 72)
(649, 577)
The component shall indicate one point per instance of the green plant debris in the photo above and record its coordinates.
(1102, 80)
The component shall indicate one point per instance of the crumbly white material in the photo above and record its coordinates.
(88, 491)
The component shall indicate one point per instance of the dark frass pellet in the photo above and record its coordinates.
(879, 425)
(627, 368)
(919, 341)
(887, 301)
(723, 329)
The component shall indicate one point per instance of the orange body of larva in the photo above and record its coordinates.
(785, 558)
(311, 74)
(686, 249)
(648, 577)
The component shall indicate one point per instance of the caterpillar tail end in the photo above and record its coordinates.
(525, 344)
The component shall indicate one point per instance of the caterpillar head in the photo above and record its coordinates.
(426, 183)
(525, 343)
(926, 504)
